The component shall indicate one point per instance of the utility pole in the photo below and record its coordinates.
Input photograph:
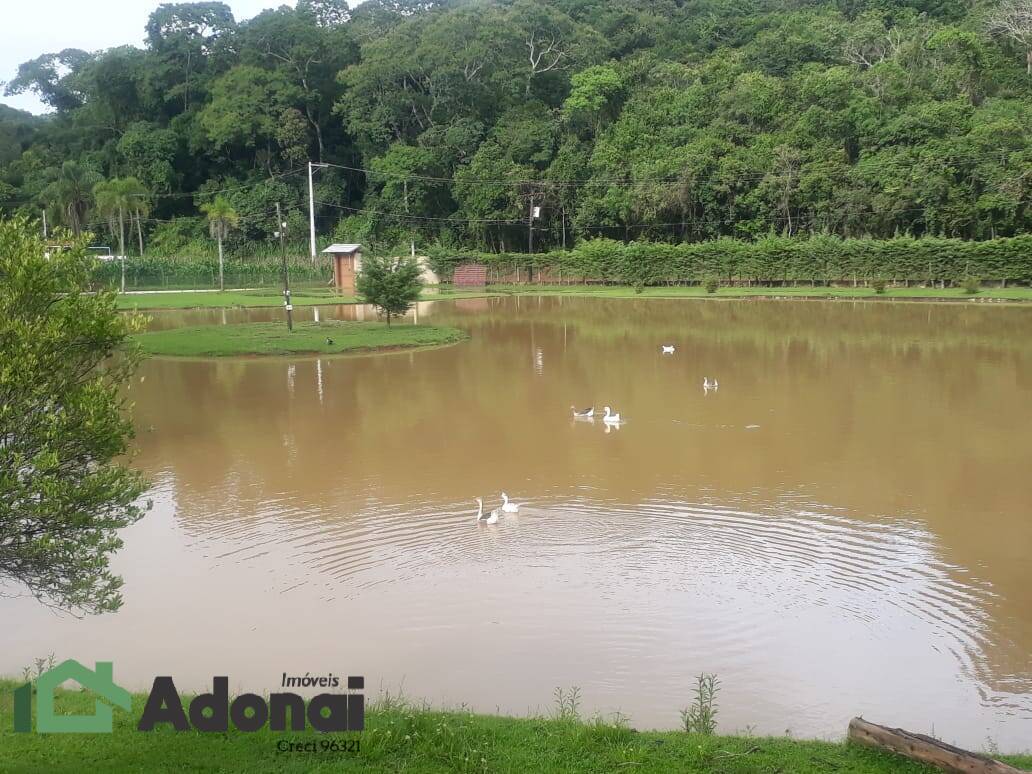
(563, 226)
(530, 226)
(281, 228)
(311, 207)
(412, 243)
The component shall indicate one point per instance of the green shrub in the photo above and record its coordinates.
(771, 258)
(878, 285)
(971, 285)
(711, 284)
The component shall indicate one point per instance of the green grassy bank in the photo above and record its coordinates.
(228, 298)
(272, 338)
(398, 737)
(260, 298)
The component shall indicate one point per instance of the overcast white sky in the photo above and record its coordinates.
(33, 27)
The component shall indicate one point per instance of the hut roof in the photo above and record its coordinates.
(342, 248)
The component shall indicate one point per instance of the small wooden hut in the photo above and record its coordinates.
(347, 263)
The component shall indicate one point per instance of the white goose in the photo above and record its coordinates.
(708, 385)
(610, 418)
(508, 507)
(490, 518)
(668, 349)
(585, 414)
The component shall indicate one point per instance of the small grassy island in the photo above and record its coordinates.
(272, 338)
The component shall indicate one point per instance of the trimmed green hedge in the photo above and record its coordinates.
(153, 272)
(773, 259)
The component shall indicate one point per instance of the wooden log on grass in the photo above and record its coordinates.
(925, 749)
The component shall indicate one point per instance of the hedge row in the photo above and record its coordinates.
(773, 259)
(178, 272)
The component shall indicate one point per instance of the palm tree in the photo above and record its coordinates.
(139, 205)
(70, 192)
(115, 199)
(221, 218)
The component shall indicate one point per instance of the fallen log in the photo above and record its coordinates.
(925, 749)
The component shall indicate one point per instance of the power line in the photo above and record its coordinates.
(185, 194)
(523, 221)
(679, 179)
(258, 216)
(254, 184)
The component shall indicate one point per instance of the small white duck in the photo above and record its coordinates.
(611, 418)
(584, 413)
(708, 385)
(668, 349)
(490, 518)
(508, 507)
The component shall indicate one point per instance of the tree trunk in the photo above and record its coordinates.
(315, 125)
(925, 749)
(121, 242)
(222, 284)
(139, 233)
(121, 232)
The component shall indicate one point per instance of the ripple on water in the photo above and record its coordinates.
(764, 564)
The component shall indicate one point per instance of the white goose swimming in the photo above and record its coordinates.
(610, 418)
(508, 507)
(668, 349)
(708, 385)
(490, 518)
(585, 414)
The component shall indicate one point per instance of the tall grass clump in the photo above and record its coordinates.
(567, 703)
(701, 716)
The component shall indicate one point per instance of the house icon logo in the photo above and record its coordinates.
(99, 681)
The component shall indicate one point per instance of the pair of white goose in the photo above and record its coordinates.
(492, 516)
(589, 413)
(709, 385)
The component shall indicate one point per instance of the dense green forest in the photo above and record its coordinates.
(449, 122)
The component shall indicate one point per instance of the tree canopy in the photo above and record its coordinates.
(677, 120)
(63, 424)
(392, 285)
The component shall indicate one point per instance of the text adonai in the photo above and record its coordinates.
(326, 712)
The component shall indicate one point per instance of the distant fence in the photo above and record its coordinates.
(170, 274)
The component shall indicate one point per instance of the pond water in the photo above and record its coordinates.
(842, 528)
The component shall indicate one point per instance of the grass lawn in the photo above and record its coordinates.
(258, 298)
(677, 291)
(272, 338)
(399, 737)
(322, 296)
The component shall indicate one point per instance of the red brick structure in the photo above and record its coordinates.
(470, 275)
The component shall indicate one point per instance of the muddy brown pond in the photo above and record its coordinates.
(843, 527)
